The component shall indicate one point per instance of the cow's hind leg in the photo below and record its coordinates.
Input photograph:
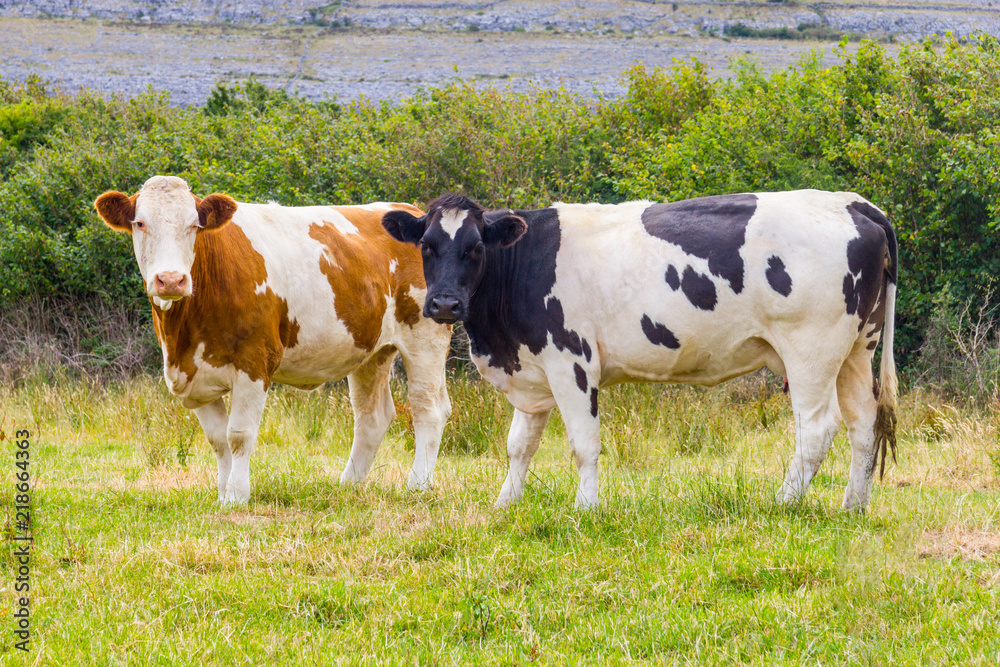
(817, 419)
(430, 405)
(371, 400)
(522, 443)
(215, 422)
(855, 390)
(248, 399)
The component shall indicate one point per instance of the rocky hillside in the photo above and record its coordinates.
(385, 49)
(902, 20)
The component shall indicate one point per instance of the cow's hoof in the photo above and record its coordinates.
(234, 497)
(418, 483)
(350, 479)
(855, 507)
(788, 495)
(505, 500)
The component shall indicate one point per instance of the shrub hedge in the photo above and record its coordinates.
(915, 133)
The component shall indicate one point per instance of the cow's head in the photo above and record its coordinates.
(454, 237)
(163, 219)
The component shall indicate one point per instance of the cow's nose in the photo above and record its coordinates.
(443, 308)
(170, 283)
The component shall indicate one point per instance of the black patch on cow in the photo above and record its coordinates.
(699, 289)
(872, 345)
(581, 377)
(871, 262)
(659, 334)
(562, 338)
(777, 277)
(865, 210)
(672, 278)
(512, 307)
(713, 228)
(593, 402)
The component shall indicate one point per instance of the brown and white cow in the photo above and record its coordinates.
(561, 301)
(245, 295)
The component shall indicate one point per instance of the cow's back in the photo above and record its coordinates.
(705, 289)
(349, 285)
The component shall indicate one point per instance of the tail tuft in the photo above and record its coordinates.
(885, 436)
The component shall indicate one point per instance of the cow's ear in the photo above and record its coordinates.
(404, 226)
(504, 229)
(215, 210)
(117, 210)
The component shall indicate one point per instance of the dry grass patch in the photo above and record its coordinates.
(964, 543)
(946, 445)
(164, 478)
(260, 514)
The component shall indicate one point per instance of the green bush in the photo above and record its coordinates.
(28, 116)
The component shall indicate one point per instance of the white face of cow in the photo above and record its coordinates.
(164, 219)
(163, 234)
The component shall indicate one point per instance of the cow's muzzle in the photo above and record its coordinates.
(171, 285)
(444, 309)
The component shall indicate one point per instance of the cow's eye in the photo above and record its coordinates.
(477, 250)
(140, 225)
(425, 250)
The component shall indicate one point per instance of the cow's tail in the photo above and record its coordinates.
(885, 416)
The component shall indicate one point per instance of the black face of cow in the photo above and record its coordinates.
(452, 269)
(454, 238)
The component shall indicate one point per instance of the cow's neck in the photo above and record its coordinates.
(490, 313)
(214, 273)
(169, 321)
(507, 310)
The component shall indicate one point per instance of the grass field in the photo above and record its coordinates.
(688, 560)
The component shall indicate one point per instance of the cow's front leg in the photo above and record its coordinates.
(215, 423)
(576, 395)
(248, 398)
(522, 443)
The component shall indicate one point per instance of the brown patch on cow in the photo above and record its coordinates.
(359, 295)
(238, 326)
(357, 267)
(407, 309)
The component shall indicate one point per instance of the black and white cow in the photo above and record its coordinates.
(561, 301)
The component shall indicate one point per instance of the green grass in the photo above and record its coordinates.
(688, 560)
